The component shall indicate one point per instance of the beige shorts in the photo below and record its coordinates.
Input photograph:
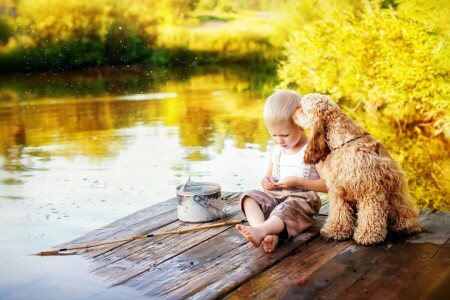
(295, 208)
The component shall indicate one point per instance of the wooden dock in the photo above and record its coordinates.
(219, 263)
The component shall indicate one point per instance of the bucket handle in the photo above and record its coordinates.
(203, 203)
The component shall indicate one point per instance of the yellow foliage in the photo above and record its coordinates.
(383, 58)
(241, 36)
(395, 63)
(54, 20)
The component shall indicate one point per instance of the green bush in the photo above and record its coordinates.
(124, 46)
(65, 55)
(6, 31)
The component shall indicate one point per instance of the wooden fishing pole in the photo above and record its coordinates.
(181, 231)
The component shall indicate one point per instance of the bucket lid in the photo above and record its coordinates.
(193, 188)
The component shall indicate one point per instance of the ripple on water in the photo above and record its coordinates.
(12, 181)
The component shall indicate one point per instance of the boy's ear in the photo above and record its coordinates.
(317, 148)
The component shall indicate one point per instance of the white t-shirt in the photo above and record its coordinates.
(286, 165)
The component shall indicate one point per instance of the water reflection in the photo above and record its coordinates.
(84, 123)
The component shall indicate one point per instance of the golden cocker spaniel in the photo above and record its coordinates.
(367, 189)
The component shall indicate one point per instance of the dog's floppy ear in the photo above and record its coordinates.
(317, 148)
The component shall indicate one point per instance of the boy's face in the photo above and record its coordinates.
(287, 134)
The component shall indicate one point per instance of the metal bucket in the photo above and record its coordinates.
(199, 202)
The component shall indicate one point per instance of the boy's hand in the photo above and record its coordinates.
(287, 182)
(268, 183)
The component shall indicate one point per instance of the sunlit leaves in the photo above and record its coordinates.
(394, 62)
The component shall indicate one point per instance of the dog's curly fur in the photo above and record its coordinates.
(367, 189)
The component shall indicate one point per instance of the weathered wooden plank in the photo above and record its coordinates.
(293, 271)
(141, 222)
(433, 282)
(141, 228)
(150, 223)
(352, 275)
(213, 268)
(379, 272)
(104, 254)
(122, 227)
(436, 228)
(170, 278)
(250, 262)
(390, 274)
(134, 258)
(131, 259)
(352, 271)
(404, 261)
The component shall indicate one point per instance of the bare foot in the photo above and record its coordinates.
(252, 234)
(270, 242)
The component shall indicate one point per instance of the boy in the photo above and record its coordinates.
(286, 205)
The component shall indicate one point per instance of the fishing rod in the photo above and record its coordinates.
(181, 231)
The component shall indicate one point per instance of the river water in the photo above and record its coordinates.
(80, 150)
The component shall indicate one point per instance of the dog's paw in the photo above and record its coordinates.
(331, 235)
(366, 239)
(408, 226)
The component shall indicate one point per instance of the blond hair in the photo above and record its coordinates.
(280, 107)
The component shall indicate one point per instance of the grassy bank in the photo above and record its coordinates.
(51, 35)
